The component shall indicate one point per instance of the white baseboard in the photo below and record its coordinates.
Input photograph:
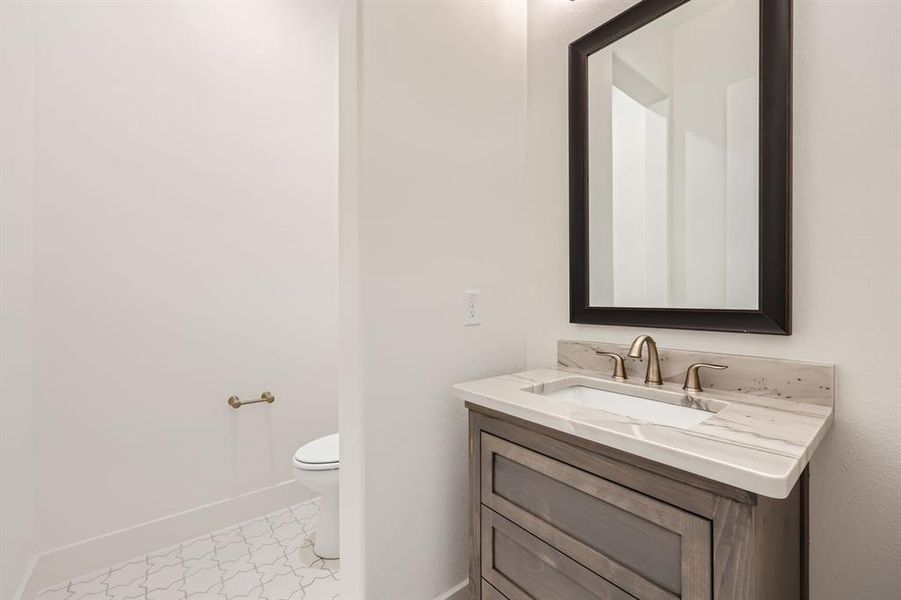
(61, 564)
(29, 571)
(458, 592)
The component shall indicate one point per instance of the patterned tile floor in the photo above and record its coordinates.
(269, 558)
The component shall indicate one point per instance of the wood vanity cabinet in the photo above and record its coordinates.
(556, 517)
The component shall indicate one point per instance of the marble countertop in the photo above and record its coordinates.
(755, 443)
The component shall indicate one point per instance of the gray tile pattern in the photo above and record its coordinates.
(269, 558)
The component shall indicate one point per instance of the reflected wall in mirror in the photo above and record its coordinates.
(672, 159)
(680, 166)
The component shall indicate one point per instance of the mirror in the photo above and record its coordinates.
(680, 164)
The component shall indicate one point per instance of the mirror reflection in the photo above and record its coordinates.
(673, 161)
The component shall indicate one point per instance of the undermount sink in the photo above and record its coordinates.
(669, 409)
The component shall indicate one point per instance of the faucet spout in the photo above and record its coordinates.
(652, 375)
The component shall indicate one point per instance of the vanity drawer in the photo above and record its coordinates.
(648, 548)
(489, 592)
(522, 567)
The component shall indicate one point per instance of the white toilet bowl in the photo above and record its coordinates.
(316, 468)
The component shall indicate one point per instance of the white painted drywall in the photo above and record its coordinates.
(17, 448)
(185, 214)
(440, 209)
(351, 402)
(847, 262)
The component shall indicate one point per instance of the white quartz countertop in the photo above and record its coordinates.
(758, 444)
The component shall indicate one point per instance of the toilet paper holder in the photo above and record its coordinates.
(236, 402)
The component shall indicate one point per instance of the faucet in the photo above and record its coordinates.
(693, 380)
(653, 374)
(619, 367)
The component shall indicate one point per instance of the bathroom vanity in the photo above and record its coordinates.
(585, 487)
(632, 479)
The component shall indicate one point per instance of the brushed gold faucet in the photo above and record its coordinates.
(652, 375)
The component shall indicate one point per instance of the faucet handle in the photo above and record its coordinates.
(693, 379)
(619, 367)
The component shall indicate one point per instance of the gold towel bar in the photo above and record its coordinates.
(236, 402)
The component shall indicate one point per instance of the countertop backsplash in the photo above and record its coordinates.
(792, 380)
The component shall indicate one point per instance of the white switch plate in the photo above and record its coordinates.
(473, 315)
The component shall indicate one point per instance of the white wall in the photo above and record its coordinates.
(847, 262)
(351, 402)
(185, 164)
(441, 107)
(17, 449)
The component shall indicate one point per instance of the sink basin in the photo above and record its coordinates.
(662, 412)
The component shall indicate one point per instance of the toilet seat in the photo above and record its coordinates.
(319, 455)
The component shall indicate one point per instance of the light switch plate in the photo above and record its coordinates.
(473, 315)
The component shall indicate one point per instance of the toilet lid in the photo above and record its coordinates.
(321, 453)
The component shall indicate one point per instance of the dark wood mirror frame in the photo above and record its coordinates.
(774, 313)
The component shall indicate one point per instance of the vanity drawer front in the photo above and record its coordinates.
(648, 548)
(489, 592)
(522, 567)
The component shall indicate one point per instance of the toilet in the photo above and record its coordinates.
(316, 468)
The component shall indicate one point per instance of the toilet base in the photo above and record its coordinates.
(326, 543)
(324, 483)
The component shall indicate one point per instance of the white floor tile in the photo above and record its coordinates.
(233, 551)
(231, 536)
(197, 548)
(241, 584)
(268, 554)
(89, 587)
(164, 558)
(127, 573)
(202, 581)
(283, 587)
(173, 592)
(60, 592)
(256, 528)
(132, 591)
(199, 565)
(164, 577)
(231, 568)
(268, 558)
